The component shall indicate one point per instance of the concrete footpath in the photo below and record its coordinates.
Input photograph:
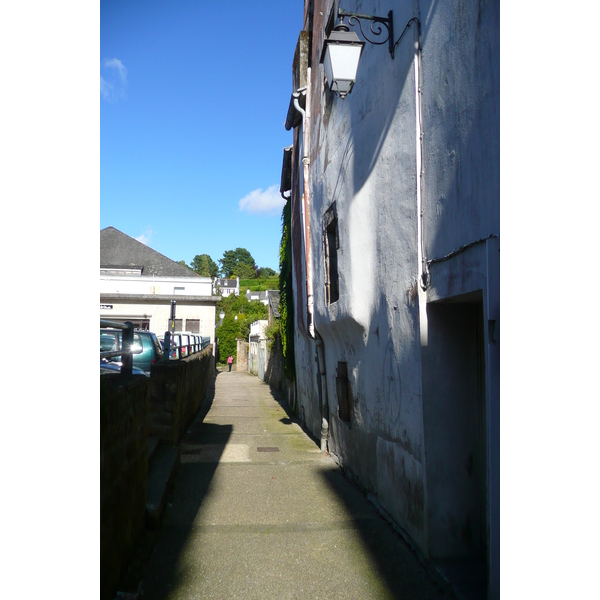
(259, 512)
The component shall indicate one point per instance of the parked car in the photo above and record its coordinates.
(183, 337)
(146, 341)
(111, 366)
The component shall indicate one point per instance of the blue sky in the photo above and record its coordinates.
(193, 100)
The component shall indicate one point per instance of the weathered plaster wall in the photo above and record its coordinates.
(363, 158)
(461, 98)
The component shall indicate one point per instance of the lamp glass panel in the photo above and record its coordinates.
(344, 60)
(327, 67)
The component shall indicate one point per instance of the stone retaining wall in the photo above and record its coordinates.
(176, 392)
(123, 473)
(242, 355)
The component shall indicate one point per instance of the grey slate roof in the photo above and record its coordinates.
(120, 251)
(227, 283)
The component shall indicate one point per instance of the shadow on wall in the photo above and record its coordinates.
(381, 442)
(274, 368)
(379, 104)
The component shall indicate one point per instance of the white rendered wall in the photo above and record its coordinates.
(158, 314)
(193, 286)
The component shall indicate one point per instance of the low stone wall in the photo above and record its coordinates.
(176, 392)
(242, 355)
(123, 473)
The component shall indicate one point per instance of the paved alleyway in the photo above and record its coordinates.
(259, 512)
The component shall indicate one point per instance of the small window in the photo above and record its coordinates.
(192, 325)
(344, 394)
(331, 239)
(178, 324)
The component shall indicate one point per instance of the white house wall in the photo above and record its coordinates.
(192, 286)
(149, 298)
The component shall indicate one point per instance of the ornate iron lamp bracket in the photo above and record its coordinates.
(376, 28)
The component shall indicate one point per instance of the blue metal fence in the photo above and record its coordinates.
(175, 347)
(179, 345)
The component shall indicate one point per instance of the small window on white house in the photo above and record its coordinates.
(178, 291)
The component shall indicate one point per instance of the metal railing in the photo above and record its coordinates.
(126, 353)
(180, 345)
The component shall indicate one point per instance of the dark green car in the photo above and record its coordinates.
(111, 339)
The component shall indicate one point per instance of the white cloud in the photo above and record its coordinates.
(145, 237)
(105, 88)
(263, 201)
(114, 81)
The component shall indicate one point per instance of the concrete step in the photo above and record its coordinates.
(161, 473)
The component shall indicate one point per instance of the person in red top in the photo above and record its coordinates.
(230, 362)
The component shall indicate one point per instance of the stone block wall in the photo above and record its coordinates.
(176, 392)
(123, 473)
(242, 355)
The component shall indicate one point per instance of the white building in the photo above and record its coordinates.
(256, 338)
(395, 226)
(137, 284)
(226, 287)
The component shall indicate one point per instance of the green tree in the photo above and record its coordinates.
(265, 272)
(246, 312)
(238, 263)
(204, 265)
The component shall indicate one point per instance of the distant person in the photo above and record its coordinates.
(230, 362)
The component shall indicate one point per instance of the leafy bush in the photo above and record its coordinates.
(286, 301)
(271, 332)
(259, 285)
(232, 328)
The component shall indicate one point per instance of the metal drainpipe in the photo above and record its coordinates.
(423, 269)
(325, 409)
(314, 334)
(306, 199)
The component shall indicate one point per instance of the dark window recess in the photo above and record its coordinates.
(344, 394)
(332, 244)
(192, 325)
(178, 324)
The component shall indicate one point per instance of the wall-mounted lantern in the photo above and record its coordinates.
(342, 48)
(341, 53)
